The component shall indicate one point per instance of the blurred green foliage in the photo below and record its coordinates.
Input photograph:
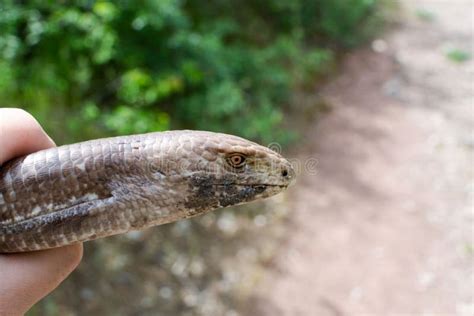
(425, 15)
(95, 68)
(458, 55)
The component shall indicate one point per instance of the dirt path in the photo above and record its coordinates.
(386, 226)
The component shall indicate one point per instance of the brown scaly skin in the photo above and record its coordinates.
(94, 189)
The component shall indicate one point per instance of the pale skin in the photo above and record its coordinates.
(28, 277)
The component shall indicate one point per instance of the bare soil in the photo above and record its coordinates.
(385, 227)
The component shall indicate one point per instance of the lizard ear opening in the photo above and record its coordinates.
(156, 171)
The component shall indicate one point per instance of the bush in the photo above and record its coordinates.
(97, 68)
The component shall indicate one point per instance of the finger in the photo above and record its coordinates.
(20, 134)
(26, 278)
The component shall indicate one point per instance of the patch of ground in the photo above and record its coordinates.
(385, 227)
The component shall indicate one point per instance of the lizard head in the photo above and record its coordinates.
(221, 170)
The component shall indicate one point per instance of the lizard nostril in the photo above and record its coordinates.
(284, 173)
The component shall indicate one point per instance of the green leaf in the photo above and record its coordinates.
(105, 9)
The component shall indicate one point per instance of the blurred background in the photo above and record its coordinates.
(372, 99)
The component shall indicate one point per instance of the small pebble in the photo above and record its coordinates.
(379, 46)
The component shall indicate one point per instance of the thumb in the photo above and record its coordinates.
(27, 277)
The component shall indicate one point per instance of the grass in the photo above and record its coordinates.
(458, 55)
(425, 15)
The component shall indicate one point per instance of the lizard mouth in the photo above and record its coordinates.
(260, 185)
(262, 190)
(207, 193)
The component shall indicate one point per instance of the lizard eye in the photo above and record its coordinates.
(236, 160)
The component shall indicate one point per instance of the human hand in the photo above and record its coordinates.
(26, 278)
